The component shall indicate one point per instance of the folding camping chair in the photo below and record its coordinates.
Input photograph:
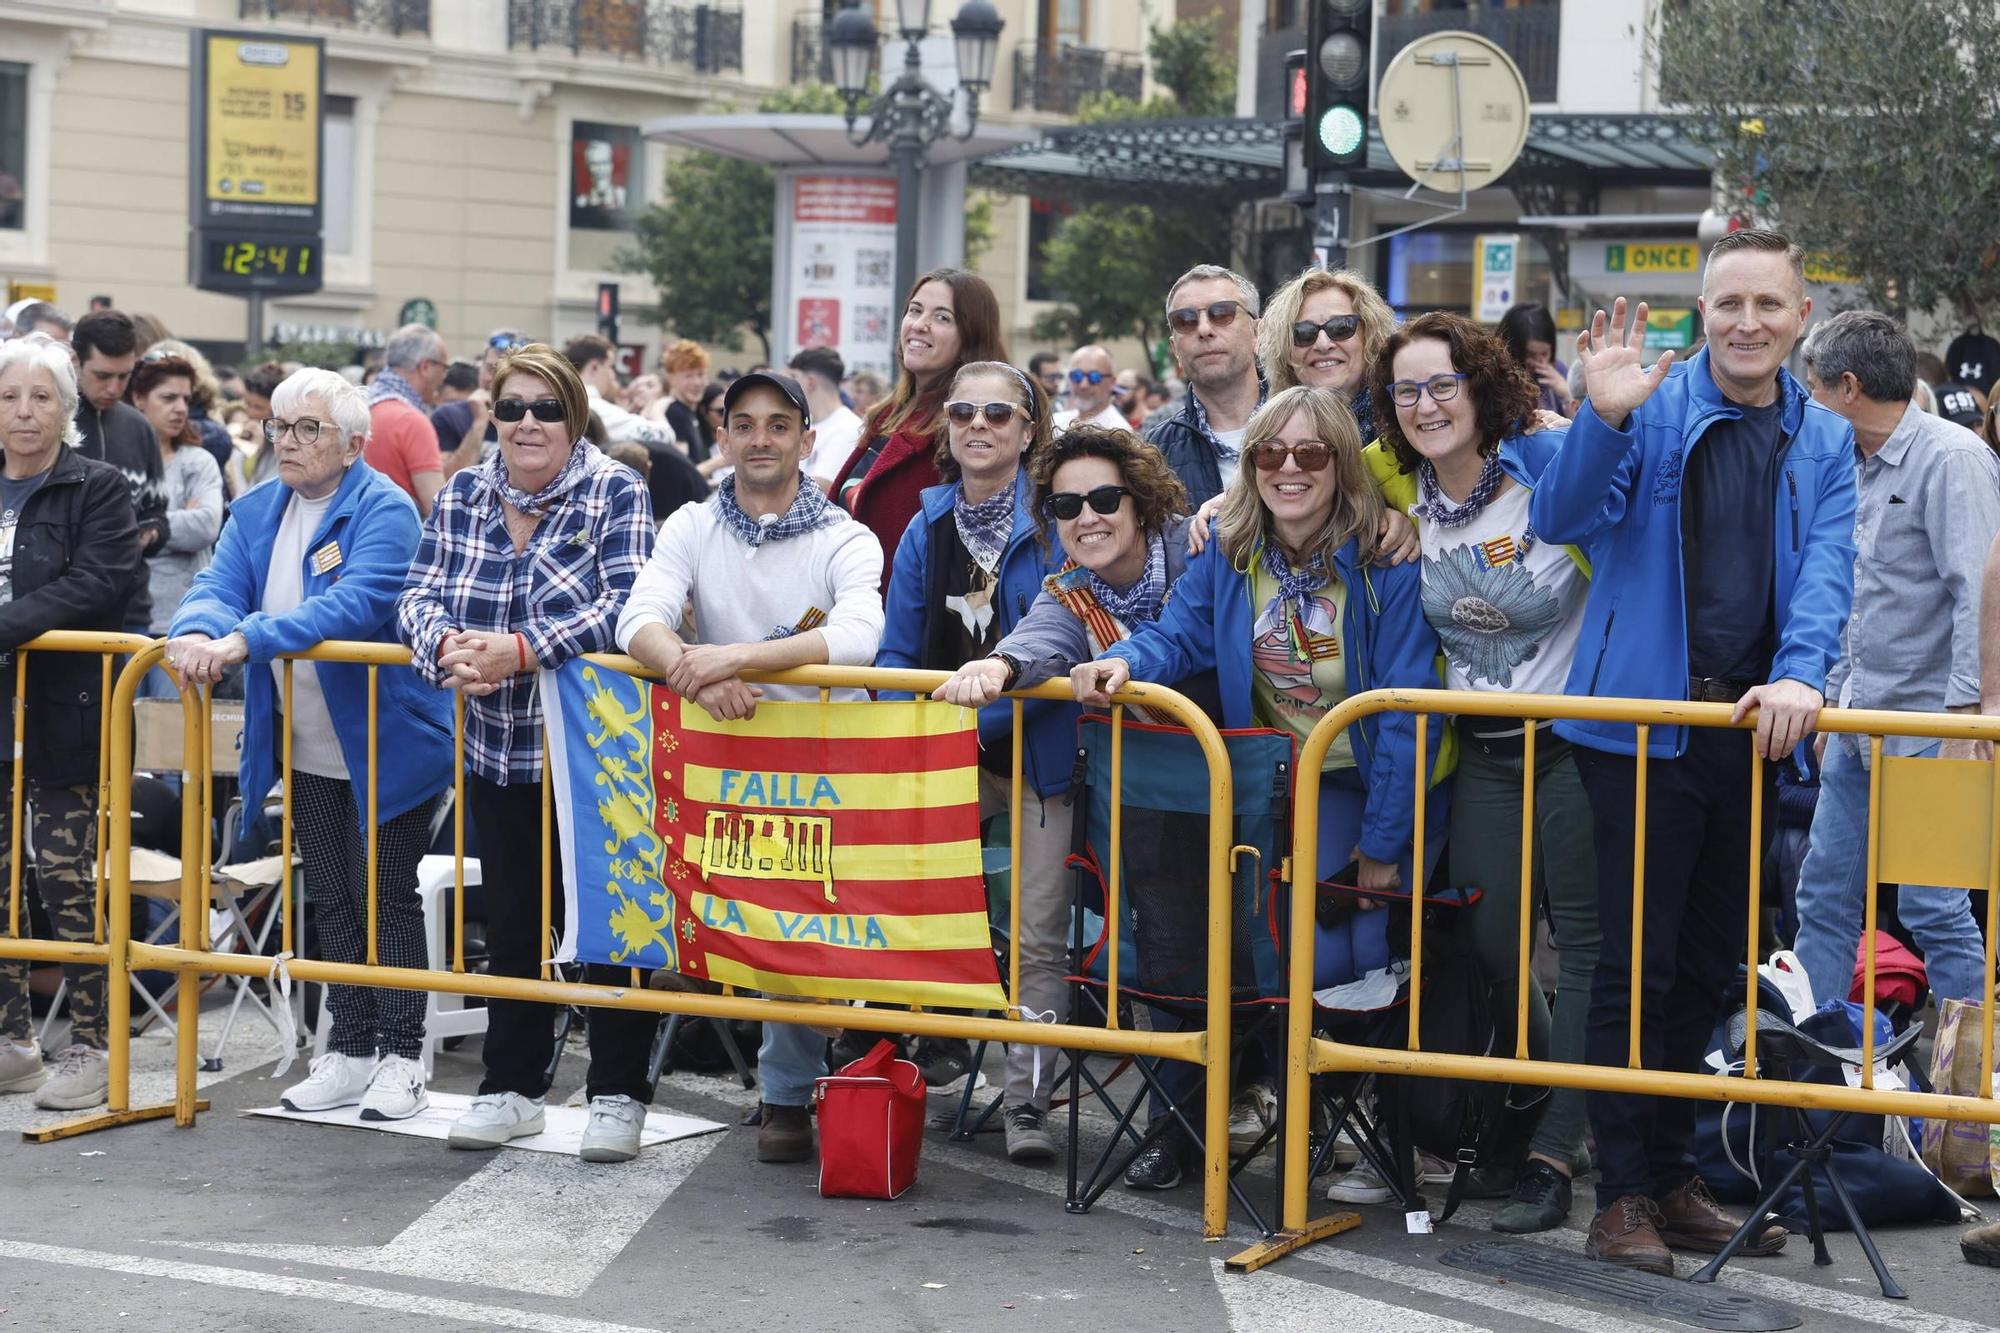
(1162, 941)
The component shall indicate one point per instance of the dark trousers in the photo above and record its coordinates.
(520, 1034)
(1697, 867)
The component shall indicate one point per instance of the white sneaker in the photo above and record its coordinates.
(612, 1135)
(395, 1090)
(1251, 1115)
(495, 1117)
(332, 1080)
(81, 1079)
(1366, 1184)
(21, 1067)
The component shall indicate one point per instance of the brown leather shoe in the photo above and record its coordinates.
(1691, 1219)
(1627, 1234)
(1981, 1245)
(786, 1134)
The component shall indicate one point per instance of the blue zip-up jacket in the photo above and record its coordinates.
(376, 529)
(1384, 639)
(915, 604)
(1618, 493)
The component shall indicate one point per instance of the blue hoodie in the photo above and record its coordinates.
(376, 528)
(1618, 494)
(916, 600)
(1384, 639)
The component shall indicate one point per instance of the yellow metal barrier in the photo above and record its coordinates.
(111, 908)
(191, 956)
(1960, 796)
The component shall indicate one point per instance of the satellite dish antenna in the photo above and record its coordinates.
(1453, 108)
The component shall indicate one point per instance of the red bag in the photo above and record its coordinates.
(871, 1126)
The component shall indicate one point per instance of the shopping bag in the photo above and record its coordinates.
(1957, 1150)
(871, 1126)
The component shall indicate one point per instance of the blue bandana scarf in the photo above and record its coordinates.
(1222, 451)
(1363, 405)
(810, 510)
(1435, 505)
(540, 502)
(1139, 604)
(985, 527)
(1295, 586)
(388, 384)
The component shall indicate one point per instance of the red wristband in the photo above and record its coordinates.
(521, 642)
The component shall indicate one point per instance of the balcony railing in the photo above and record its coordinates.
(811, 61)
(395, 17)
(1530, 36)
(706, 38)
(1059, 79)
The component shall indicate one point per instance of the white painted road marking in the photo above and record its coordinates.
(404, 1305)
(1267, 1302)
(531, 1222)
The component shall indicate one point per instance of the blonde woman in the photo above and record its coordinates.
(1324, 330)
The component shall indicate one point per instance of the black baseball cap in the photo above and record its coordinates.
(784, 384)
(1955, 402)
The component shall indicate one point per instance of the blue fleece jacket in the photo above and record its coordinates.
(376, 528)
(916, 600)
(1384, 639)
(1618, 494)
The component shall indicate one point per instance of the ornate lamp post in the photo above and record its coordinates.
(909, 115)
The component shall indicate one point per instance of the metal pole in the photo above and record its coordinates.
(904, 153)
(253, 341)
(1331, 224)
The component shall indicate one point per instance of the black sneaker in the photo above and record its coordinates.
(1028, 1137)
(1157, 1168)
(1540, 1203)
(1494, 1182)
(945, 1062)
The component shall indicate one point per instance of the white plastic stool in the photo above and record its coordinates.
(445, 1014)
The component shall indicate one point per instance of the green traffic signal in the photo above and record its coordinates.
(1341, 131)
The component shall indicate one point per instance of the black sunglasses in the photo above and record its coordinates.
(1338, 329)
(504, 342)
(1092, 377)
(1067, 505)
(997, 414)
(513, 409)
(1310, 455)
(1187, 319)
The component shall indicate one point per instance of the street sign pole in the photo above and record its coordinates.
(1332, 196)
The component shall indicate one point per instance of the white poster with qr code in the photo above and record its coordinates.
(843, 268)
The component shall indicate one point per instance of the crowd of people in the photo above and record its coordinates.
(1337, 502)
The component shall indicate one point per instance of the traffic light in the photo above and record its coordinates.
(1338, 71)
(607, 311)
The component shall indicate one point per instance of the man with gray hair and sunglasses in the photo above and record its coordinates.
(1212, 328)
(1928, 509)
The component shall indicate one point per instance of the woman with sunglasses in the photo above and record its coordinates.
(526, 561)
(1288, 609)
(1325, 329)
(950, 319)
(322, 554)
(1455, 408)
(965, 573)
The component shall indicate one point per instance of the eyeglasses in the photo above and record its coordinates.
(1338, 329)
(1310, 455)
(1441, 388)
(513, 409)
(305, 430)
(997, 414)
(1090, 377)
(1067, 505)
(1187, 319)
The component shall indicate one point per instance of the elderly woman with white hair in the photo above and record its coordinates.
(321, 556)
(69, 552)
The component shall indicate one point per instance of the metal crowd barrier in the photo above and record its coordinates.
(191, 955)
(1951, 840)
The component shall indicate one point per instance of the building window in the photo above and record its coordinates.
(337, 173)
(1063, 23)
(1044, 216)
(601, 173)
(13, 146)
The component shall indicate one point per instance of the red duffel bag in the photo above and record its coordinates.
(871, 1126)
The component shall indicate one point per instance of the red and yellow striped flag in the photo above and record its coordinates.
(818, 849)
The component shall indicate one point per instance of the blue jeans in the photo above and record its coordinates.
(790, 1057)
(1833, 884)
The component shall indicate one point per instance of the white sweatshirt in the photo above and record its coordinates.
(745, 594)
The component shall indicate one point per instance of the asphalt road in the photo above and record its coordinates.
(259, 1225)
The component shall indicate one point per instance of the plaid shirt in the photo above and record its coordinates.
(564, 592)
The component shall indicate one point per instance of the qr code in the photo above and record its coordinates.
(871, 323)
(873, 268)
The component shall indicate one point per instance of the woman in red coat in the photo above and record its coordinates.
(950, 319)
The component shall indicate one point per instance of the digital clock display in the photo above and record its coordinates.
(243, 262)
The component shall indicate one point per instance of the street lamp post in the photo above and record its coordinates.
(909, 115)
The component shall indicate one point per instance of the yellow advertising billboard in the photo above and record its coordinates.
(262, 108)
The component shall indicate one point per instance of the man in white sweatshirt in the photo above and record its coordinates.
(777, 577)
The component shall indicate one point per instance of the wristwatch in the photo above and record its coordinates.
(1013, 670)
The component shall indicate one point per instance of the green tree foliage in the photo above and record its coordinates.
(1113, 262)
(1863, 128)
